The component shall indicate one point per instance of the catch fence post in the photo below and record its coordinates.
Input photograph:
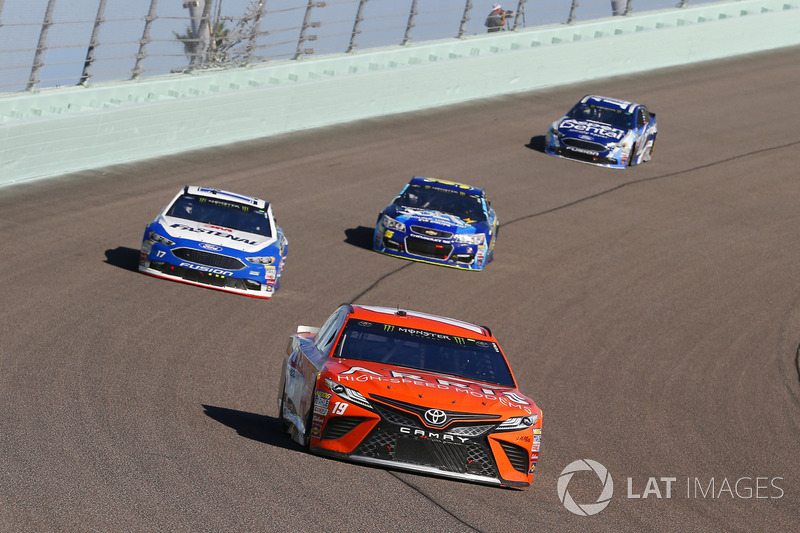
(93, 43)
(33, 80)
(356, 26)
(148, 23)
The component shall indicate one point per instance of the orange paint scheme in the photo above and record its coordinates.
(412, 392)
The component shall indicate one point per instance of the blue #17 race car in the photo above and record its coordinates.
(438, 222)
(216, 239)
(605, 132)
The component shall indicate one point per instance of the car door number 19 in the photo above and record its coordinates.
(339, 408)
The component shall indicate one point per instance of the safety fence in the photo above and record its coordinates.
(54, 43)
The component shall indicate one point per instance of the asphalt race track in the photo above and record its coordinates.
(653, 313)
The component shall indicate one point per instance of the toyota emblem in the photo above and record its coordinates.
(435, 417)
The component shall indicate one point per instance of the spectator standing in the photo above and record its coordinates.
(496, 20)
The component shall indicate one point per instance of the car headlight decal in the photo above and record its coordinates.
(471, 238)
(624, 143)
(518, 422)
(347, 393)
(160, 239)
(261, 260)
(389, 222)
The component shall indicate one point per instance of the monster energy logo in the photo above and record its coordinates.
(460, 340)
(388, 327)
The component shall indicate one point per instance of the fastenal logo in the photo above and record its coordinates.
(586, 509)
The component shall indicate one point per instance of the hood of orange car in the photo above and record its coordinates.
(428, 389)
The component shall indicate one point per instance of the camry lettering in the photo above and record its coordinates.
(215, 232)
(433, 435)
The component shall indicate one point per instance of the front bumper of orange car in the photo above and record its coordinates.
(472, 451)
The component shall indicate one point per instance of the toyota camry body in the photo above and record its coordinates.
(409, 391)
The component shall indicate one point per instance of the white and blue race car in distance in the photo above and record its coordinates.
(439, 222)
(604, 131)
(216, 239)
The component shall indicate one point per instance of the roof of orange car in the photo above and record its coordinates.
(415, 319)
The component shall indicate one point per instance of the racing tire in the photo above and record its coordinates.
(490, 255)
(285, 426)
(284, 422)
(307, 435)
(634, 154)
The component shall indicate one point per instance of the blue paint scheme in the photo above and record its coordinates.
(216, 239)
(438, 222)
(604, 131)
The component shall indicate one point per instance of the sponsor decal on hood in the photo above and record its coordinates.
(418, 382)
(213, 235)
(598, 131)
(427, 216)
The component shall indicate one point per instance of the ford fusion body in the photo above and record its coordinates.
(409, 391)
(216, 239)
(605, 132)
(438, 222)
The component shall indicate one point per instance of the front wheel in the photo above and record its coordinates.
(284, 422)
(307, 435)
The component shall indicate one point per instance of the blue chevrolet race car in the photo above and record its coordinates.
(604, 131)
(438, 222)
(216, 239)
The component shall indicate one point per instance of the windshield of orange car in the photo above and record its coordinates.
(219, 212)
(463, 357)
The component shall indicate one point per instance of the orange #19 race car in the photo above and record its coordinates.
(409, 391)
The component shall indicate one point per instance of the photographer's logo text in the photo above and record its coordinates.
(665, 487)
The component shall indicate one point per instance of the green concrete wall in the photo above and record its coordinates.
(56, 131)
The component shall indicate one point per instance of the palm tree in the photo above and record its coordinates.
(219, 36)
